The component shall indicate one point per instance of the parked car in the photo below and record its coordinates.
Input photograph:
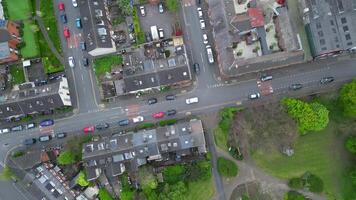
(202, 24)
(44, 138)
(85, 62)
(89, 129)
(63, 18)
(254, 95)
(152, 101)
(61, 135)
(209, 51)
(196, 68)
(170, 97)
(158, 115)
(30, 125)
(83, 46)
(160, 33)
(148, 37)
(71, 61)
(296, 86)
(102, 126)
(205, 38)
(66, 32)
(171, 112)
(137, 119)
(46, 122)
(16, 128)
(327, 79)
(78, 23)
(61, 6)
(4, 130)
(266, 78)
(124, 122)
(142, 11)
(192, 100)
(29, 141)
(200, 12)
(160, 8)
(75, 4)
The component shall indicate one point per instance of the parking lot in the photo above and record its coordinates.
(163, 20)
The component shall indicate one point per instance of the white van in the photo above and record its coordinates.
(192, 100)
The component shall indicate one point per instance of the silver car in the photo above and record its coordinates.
(71, 61)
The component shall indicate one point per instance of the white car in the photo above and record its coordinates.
(205, 38)
(209, 51)
(254, 95)
(71, 61)
(142, 10)
(137, 119)
(29, 126)
(160, 33)
(202, 24)
(192, 100)
(75, 4)
(200, 12)
(5, 130)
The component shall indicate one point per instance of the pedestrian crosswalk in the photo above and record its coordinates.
(217, 85)
(132, 110)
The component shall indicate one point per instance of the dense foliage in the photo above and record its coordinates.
(293, 195)
(308, 181)
(104, 194)
(347, 99)
(227, 168)
(82, 179)
(351, 144)
(309, 117)
(172, 5)
(66, 158)
(296, 183)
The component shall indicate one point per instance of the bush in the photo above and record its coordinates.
(145, 126)
(140, 35)
(198, 170)
(293, 195)
(352, 175)
(296, 183)
(347, 99)
(104, 194)
(18, 154)
(313, 183)
(82, 179)
(227, 168)
(173, 174)
(351, 144)
(66, 158)
(167, 122)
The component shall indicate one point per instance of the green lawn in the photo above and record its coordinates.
(226, 167)
(18, 9)
(31, 48)
(50, 21)
(200, 190)
(104, 64)
(17, 74)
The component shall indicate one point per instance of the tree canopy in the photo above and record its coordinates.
(351, 144)
(352, 175)
(82, 179)
(172, 5)
(173, 192)
(309, 117)
(66, 158)
(347, 99)
(293, 195)
(125, 7)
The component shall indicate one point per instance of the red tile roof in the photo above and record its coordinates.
(256, 17)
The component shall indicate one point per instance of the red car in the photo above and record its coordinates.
(88, 129)
(66, 32)
(61, 6)
(158, 115)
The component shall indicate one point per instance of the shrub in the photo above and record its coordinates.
(295, 183)
(18, 154)
(167, 122)
(351, 144)
(293, 195)
(227, 168)
(82, 179)
(145, 126)
(173, 174)
(66, 158)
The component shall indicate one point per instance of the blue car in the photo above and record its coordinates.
(78, 23)
(64, 18)
(46, 122)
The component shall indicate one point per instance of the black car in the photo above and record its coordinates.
(102, 126)
(29, 141)
(171, 112)
(152, 101)
(196, 68)
(61, 135)
(296, 86)
(85, 62)
(170, 97)
(124, 122)
(326, 80)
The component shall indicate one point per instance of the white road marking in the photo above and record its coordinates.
(202, 61)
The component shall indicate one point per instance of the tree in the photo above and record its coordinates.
(227, 168)
(309, 117)
(66, 158)
(199, 170)
(295, 183)
(313, 182)
(174, 173)
(125, 7)
(347, 99)
(352, 175)
(293, 195)
(6, 173)
(82, 179)
(351, 144)
(104, 194)
(172, 5)
(173, 192)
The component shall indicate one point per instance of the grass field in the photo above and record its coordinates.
(19, 9)
(50, 21)
(104, 64)
(31, 49)
(202, 190)
(17, 74)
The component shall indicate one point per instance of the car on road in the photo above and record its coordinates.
(66, 32)
(85, 62)
(83, 46)
(89, 129)
(4, 130)
(160, 8)
(142, 11)
(296, 86)
(192, 100)
(254, 95)
(102, 126)
(266, 78)
(171, 112)
(78, 23)
(63, 18)
(209, 51)
(158, 115)
(29, 141)
(160, 33)
(75, 4)
(46, 122)
(170, 97)
(30, 125)
(200, 12)
(137, 119)
(61, 6)
(16, 128)
(196, 68)
(152, 101)
(326, 80)
(44, 138)
(124, 122)
(61, 135)
(205, 38)
(71, 61)
(202, 24)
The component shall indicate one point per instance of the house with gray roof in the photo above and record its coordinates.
(121, 153)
